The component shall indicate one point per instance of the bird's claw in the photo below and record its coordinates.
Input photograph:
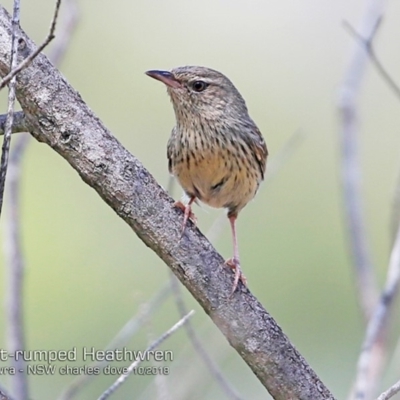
(235, 265)
(188, 214)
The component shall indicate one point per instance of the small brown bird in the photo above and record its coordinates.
(215, 150)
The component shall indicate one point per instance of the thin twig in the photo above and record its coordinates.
(15, 331)
(136, 363)
(15, 266)
(373, 354)
(390, 392)
(368, 43)
(69, 23)
(366, 285)
(121, 338)
(185, 378)
(19, 123)
(11, 101)
(160, 380)
(378, 323)
(16, 69)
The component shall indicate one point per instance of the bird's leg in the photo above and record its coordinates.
(187, 209)
(234, 262)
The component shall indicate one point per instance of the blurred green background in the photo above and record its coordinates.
(87, 272)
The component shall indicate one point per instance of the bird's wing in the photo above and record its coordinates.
(170, 149)
(257, 145)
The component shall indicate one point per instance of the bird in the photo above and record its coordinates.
(215, 151)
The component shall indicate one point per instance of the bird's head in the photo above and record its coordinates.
(201, 92)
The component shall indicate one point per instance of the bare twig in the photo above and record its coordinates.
(136, 363)
(159, 382)
(15, 266)
(373, 355)
(189, 374)
(18, 68)
(122, 337)
(351, 173)
(11, 101)
(368, 43)
(15, 331)
(18, 124)
(69, 23)
(378, 323)
(388, 394)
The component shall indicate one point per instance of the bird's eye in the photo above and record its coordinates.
(199, 86)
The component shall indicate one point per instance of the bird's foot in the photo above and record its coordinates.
(188, 214)
(235, 265)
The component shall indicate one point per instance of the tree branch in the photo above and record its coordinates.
(368, 43)
(351, 172)
(55, 114)
(388, 394)
(15, 270)
(23, 64)
(18, 123)
(119, 340)
(377, 324)
(376, 314)
(15, 331)
(136, 363)
(5, 149)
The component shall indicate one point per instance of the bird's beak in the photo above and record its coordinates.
(165, 77)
